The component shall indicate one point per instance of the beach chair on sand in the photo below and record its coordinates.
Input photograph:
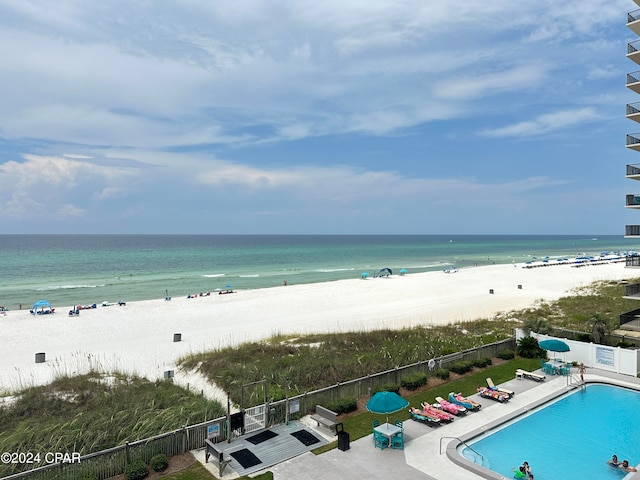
(530, 375)
(492, 386)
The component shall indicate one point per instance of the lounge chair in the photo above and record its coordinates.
(486, 392)
(530, 375)
(492, 386)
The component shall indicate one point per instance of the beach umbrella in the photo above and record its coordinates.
(385, 403)
(554, 345)
(403, 271)
(364, 274)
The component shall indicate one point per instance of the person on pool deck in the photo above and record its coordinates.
(626, 467)
(614, 462)
(581, 370)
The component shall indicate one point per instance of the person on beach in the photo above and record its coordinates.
(581, 370)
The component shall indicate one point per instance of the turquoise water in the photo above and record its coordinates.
(571, 438)
(70, 269)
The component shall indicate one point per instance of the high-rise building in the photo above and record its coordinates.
(633, 170)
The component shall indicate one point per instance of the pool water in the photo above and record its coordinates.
(571, 438)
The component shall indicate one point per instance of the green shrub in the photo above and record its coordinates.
(442, 373)
(482, 362)
(506, 354)
(136, 470)
(461, 367)
(159, 462)
(414, 381)
(389, 387)
(344, 405)
(583, 337)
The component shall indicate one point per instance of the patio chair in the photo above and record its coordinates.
(398, 423)
(549, 369)
(374, 424)
(380, 441)
(398, 441)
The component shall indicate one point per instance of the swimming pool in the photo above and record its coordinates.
(570, 438)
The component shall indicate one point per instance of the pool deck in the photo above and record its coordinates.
(427, 451)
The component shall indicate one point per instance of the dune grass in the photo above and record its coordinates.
(94, 412)
(604, 298)
(315, 361)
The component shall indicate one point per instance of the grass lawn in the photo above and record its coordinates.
(359, 425)
(198, 472)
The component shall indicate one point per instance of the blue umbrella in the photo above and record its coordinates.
(364, 274)
(386, 402)
(403, 271)
(554, 345)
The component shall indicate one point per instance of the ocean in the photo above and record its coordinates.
(87, 269)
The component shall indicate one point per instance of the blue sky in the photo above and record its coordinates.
(349, 116)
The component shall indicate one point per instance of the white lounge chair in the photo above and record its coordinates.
(530, 375)
(492, 386)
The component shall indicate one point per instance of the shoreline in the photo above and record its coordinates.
(138, 338)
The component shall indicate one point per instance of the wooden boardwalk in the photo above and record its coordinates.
(283, 446)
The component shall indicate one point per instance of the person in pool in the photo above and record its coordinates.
(626, 467)
(614, 462)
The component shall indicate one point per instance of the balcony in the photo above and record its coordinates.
(633, 111)
(630, 320)
(633, 21)
(633, 201)
(633, 141)
(632, 292)
(632, 261)
(633, 51)
(632, 231)
(633, 171)
(633, 81)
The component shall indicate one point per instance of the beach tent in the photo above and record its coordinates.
(42, 305)
(385, 272)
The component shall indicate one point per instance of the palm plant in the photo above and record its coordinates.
(599, 327)
(528, 347)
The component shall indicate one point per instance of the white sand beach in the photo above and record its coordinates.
(138, 338)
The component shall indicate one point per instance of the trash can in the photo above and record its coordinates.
(343, 437)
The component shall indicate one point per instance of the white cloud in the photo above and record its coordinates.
(201, 73)
(66, 211)
(545, 123)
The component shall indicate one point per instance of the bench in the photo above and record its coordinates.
(211, 450)
(325, 417)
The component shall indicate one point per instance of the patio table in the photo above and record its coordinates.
(388, 429)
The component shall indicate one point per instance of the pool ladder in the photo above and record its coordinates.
(478, 454)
